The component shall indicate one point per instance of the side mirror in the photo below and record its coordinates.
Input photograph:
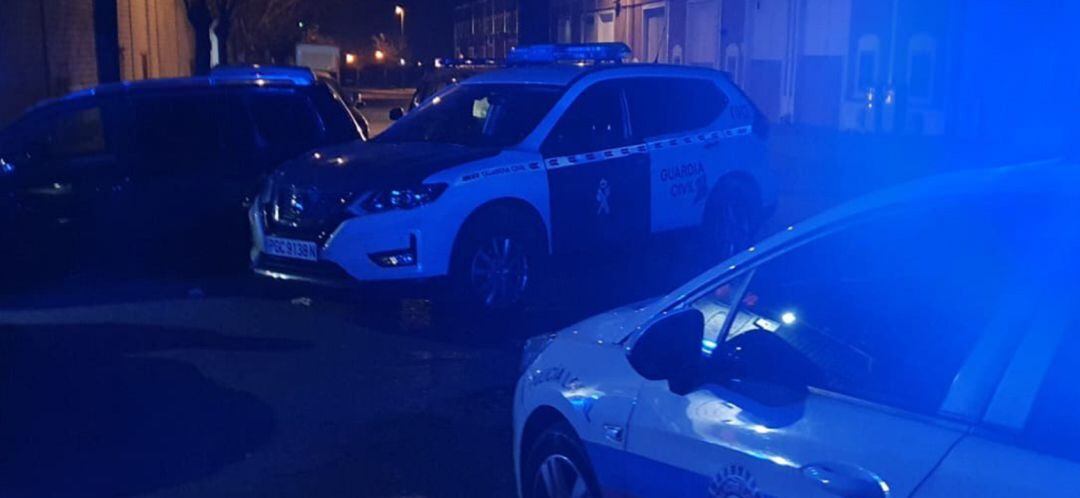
(670, 347)
(396, 113)
(764, 367)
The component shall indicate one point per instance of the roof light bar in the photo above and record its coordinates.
(276, 74)
(465, 63)
(585, 52)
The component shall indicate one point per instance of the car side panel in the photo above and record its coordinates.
(594, 388)
(978, 467)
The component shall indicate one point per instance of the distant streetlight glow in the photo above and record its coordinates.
(402, 61)
(788, 318)
(379, 55)
(350, 59)
(400, 12)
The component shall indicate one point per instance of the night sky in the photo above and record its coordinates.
(352, 23)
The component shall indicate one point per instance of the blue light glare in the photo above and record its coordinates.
(788, 318)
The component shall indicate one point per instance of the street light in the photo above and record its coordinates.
(400, 12)
(402, 61)
(350, 59)
(379, 55)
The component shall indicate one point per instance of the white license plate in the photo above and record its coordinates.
(291, 248)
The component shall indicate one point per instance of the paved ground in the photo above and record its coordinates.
(173, 384)
(379, 101)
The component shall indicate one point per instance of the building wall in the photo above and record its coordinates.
(156, 40)
(48, 50)
(485, 28)
(49, 47)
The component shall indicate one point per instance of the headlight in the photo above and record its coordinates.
(402, 198)
(533, 347)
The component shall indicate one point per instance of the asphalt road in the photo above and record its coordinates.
(148, 381)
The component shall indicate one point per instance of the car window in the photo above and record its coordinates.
(177, 133)
(336, 117)
(286, 122)
(67, 134)
(484, 115)
(594, 121)
(662, 106)
(888, 310)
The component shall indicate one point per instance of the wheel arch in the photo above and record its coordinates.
(513, 206)
(740, 177)
(538, 421)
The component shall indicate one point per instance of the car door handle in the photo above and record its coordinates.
(846, 480)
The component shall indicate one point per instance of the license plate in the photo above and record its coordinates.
(291, 248)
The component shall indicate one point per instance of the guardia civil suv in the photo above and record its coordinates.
(488, 177)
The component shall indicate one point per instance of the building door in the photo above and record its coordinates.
(656, 34)
(702, 32)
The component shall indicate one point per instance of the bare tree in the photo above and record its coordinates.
(200, 17)
(267, 30)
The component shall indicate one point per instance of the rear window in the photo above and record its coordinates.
(663, 106)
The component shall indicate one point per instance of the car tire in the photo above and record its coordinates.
(556, 466)
(731, 218)
(497, 260)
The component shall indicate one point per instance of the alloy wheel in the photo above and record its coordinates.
(499, 272)
(558, 477)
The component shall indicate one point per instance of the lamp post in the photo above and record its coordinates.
(400, 12)
(351, 60)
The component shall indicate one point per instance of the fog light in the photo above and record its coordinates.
(396, 258)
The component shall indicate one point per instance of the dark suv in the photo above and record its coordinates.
(161, 165)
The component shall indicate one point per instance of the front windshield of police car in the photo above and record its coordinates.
(478, 115)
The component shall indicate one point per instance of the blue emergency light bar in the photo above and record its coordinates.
(276, 74)
(585, 52)
(464, 63)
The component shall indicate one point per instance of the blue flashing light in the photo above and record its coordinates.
(270, 74)
(464, 63)
(586, 52)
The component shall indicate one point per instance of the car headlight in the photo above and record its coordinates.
(402, 198)
(533, 347)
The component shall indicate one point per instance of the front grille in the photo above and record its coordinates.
(305, 212)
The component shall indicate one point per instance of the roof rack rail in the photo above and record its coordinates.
(597, 53)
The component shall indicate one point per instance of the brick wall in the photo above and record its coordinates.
(35, 31)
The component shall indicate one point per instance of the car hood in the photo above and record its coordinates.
(612, 326)
(363, 166)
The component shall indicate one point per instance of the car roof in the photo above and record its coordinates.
(567, 74)
(229, 77)
(1048, 178)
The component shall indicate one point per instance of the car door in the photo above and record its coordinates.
(675, 117)
(599, 183)
(1028, 443)
(832, 377)
(65, 165)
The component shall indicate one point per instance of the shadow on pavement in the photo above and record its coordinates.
(82, 415)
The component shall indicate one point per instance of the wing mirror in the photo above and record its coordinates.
(670, 348)
(396, 113)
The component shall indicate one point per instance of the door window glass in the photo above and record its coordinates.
(285, 122)
(593, 122)
(889, 310)
(177, 133)
(662, 106)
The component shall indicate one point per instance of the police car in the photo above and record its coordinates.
(487, 178)
(916, 342)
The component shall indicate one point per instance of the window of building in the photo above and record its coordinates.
(920, 80)
(867, 55)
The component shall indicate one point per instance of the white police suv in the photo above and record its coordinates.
(917, 342)
(486, 178)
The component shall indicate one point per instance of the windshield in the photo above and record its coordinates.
(483, 115)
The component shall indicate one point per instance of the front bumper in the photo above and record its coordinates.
(348, 252)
